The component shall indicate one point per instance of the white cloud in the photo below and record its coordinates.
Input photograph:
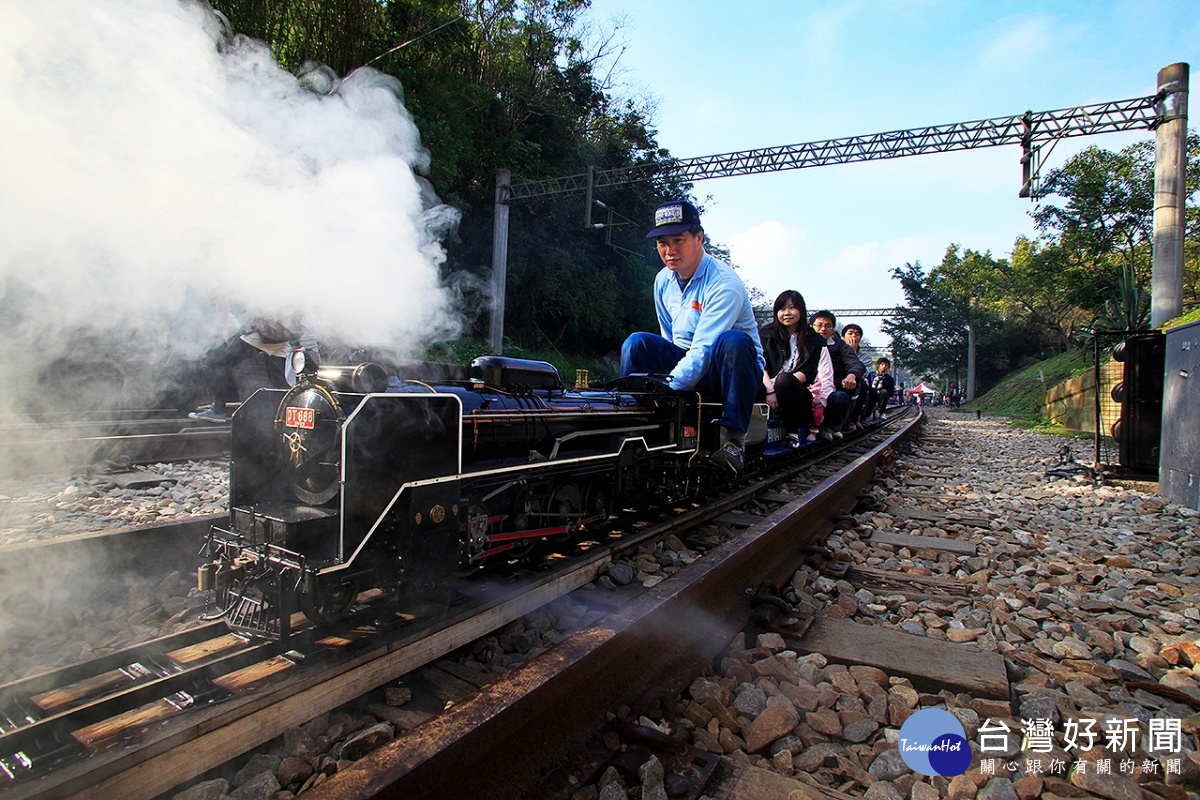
(1026, 42)
(876, 258)
(769, 255)
(823, 31)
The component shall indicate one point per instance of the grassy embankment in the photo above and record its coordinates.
(1019, 396)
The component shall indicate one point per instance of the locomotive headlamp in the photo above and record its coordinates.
(206, 577)
(299, 360)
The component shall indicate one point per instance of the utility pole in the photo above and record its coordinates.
(970, 388)
(1170, 190)
(499, 260)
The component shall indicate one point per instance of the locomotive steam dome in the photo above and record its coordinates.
(309, 423)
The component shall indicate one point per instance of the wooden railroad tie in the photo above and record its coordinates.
(924, 483)
(931, 664)
(739, 519)
(938, 516)
(935, 496)
(907, 584)
(924, 543)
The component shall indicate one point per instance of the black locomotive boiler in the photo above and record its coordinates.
(354, 479)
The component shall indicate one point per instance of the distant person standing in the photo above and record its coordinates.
(709, 340)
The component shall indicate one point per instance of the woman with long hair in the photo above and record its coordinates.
(799, 372)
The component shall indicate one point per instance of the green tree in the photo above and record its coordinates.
(338, 33)
(931, 332)
(1102, 231)
(1037, 281)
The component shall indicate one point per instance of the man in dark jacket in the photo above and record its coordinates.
(848, 373)
(864, 399)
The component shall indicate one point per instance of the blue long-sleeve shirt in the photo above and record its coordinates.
(714, 301)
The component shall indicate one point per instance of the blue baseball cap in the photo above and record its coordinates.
(673, 217)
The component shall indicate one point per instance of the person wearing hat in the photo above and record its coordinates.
(709, 340)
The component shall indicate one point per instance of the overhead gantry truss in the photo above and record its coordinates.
(1164, 112)
(1030, 130)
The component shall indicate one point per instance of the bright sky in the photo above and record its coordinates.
(765, 73)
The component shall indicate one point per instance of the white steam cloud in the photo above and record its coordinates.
(154, 169)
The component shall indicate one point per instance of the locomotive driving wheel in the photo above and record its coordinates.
(598, 503)
(526, 511)
(566, 504)
(329, 602)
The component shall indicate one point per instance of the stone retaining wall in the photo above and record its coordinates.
(1072, 404)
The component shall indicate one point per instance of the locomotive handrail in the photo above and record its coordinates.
(603, 431)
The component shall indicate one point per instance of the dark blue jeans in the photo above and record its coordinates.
(795, 403)
(837, 406)
(733, 376)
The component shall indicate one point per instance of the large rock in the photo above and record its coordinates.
(775, 722)
(997, 789)
(258, 764)
(260, 787)
(889, 765)
(825, 721)
(293, 772)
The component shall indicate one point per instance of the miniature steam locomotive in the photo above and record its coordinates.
(353, 479)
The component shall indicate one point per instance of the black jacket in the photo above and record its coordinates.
(885, 384)
(776, 351)
(845, 361)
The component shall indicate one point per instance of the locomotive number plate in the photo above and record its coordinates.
(300, 417)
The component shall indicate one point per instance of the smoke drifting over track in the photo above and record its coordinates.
(158, 170)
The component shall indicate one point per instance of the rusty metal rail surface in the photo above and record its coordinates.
(170, 545)
(525, 723)
(56, 444)
(664, 633)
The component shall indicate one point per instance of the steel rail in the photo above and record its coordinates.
(58, 448)
(83, 559)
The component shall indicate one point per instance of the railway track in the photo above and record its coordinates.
(55, 442)
(138, 722)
